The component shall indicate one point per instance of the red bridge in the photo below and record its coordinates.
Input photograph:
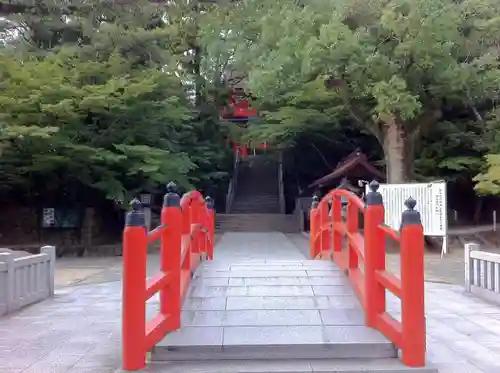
(256, 297)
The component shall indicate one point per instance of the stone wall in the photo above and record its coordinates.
(20, 228)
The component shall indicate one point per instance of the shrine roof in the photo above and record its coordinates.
(349, 163)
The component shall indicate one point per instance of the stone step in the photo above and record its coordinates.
(249, 226)
(255, 217)
(238, 209)
(256, 197)
(273, 310)
(255, 221)
(254, 206)
(256, 200)
(250, 185)
(294, 366)
(240, 195)
(255, 211)
(269, 349)
(257, 187)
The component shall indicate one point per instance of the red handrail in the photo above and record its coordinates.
(186, 233)
(364, 263)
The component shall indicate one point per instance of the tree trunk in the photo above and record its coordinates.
(397, 154)
(478, 209)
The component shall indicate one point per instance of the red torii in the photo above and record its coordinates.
(239, 110)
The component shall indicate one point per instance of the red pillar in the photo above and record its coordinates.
(171, 219)
(336, 219)
(186, 230)
(134, 289)
(374, 255)
(313, 227)
(325, 233)
(210, 225)
(352, 228)
(412, 287)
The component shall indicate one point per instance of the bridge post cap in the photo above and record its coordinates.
(410, 203)
(374, 185)
(171, 199)
(373, 197)
(410, 215)
(172, 187)
(209, 202)
(136, 205)
(315, 201)
(135, 217)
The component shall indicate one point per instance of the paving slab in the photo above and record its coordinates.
(288, 366)
(290, 303)
(283, 313)
(79, 330)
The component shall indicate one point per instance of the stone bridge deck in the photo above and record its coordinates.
(272, 309)
(79, 330)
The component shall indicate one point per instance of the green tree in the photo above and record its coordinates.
(488, 181)
(393, 66)
(97, 98)
(116, 131)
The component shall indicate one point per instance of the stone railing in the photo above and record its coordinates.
(231, 190)
(482, 273)
(281, 186)
(25, 278)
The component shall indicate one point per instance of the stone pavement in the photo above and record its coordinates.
(71, 271)
(271, 309)
(448, 269)
(78, 331)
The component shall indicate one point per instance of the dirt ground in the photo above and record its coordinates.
(448, 269)
(71, 271)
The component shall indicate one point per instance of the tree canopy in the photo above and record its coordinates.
(101, 103)
(415, 74)
(115, 98)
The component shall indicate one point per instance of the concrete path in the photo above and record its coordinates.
(260, 308)
(241, 246)
(79, 330)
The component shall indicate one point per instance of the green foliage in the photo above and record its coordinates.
(99, 102)
(453, 151)
(118, 135)
(488, 181)
(405, 63)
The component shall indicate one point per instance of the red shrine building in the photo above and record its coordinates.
(239, 109)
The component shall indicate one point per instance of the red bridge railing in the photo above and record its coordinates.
(186, 234)
(363, 261)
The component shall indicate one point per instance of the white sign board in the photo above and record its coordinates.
(49, 217)
(431, 203)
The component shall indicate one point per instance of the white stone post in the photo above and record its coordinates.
(51, 252)
(468, 264)
(7, 295)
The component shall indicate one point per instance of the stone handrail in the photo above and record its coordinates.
(482, 273)
(233, 182)
(281, 187)
(25, 278)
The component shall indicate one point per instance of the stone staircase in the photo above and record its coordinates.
(256, 223)
(257, 191)
(256, 207)
(297, 316)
